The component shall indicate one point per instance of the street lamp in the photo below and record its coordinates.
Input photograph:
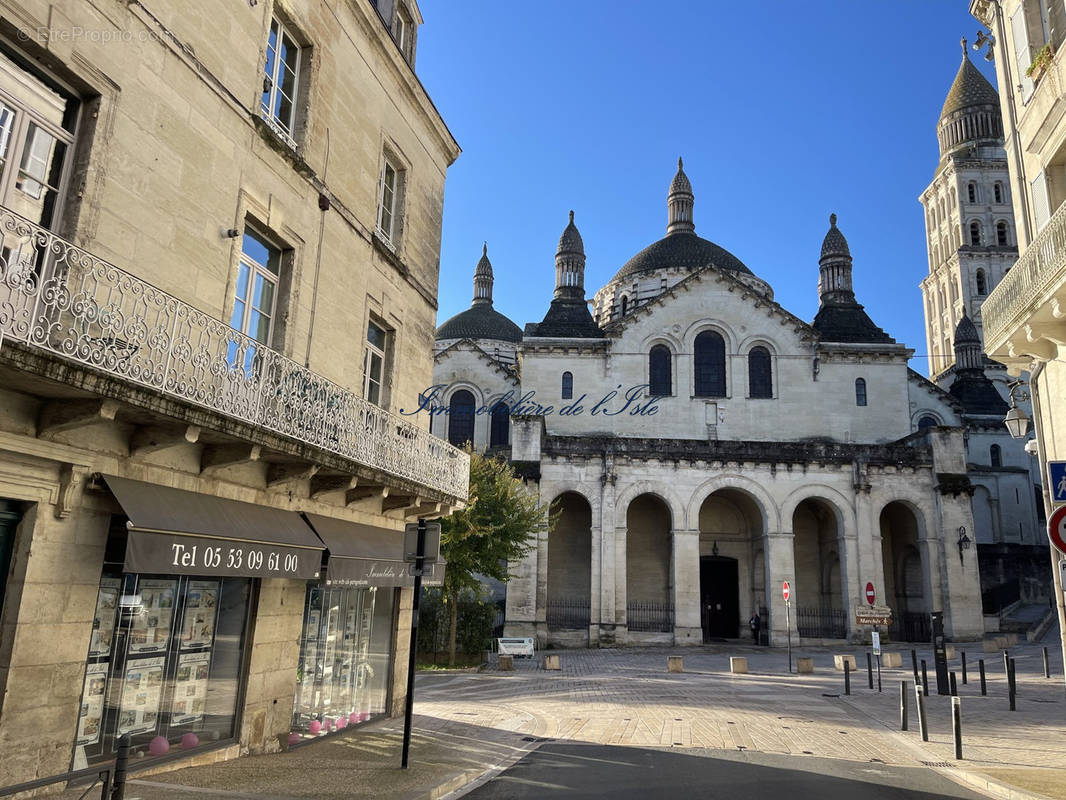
(964, 541)
(1017, 421)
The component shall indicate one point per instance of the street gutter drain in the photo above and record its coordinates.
(936, 763)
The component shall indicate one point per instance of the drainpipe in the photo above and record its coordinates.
(323, 206)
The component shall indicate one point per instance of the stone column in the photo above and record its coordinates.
(595, 586)
(780, 561)
(522, 609)
(961, 581)
(620, 593)
(686, 558)
(605, 573)
(540, 623)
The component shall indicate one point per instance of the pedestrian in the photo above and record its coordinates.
(755, 623)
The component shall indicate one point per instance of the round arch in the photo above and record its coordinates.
(771, 518)
(632, 491)
(834, 499)
(719, 327)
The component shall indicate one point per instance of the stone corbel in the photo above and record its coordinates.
(71, 478)
(1040, 346)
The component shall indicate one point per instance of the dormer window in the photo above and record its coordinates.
(404, 33)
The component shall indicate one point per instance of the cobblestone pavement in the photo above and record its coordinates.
(626, 697)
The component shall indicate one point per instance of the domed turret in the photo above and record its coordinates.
(971, 386)
(568, 315)
(971, 111)
(481, 320)
(680, 202)
(570, 262)
(483, 277)
(834, 280)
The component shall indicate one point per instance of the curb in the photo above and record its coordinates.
(991, 787)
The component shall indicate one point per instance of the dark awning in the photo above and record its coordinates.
(176, 532)
(365, 555)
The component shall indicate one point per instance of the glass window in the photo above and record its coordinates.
(377, 339)
(255, 298)
(343, 676)
(461, 418)
(760, 378)
(927, 421)
(568, 386)
(982, 284)
(995, 456)
(499, 425)
(388, 208)
(660, 379)
(164, 661)
(975, 233)
(404, 33)
(710, 365)
(281, 81)
(860, 392)
(1001, 234)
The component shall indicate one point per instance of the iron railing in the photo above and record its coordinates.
(822, 623)
(1039, 268)
(568, 613)
(650, 617)
(911, 626)
(60, 298)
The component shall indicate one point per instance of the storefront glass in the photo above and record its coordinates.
(164, 663)
(345, 658)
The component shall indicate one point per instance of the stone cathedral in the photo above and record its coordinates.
(668, 420)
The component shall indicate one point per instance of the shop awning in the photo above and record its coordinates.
(366, 555)
(175, 532)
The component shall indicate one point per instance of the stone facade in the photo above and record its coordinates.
(175, 145)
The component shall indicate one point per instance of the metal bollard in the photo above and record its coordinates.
(1006, 664)
(963, 667)
(118, 789)
(923, 725)
(870, 669)
(925, 680)
(954, 686)
(1012, 686)
(903, 706)
(981, 668)
(914, 664)
(956, 726)
(847, 676)
(1047, 665)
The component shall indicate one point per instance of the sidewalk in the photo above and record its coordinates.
(468, 724)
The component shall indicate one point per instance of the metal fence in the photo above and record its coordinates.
(650, 617)
(822, 623)
(911, 626)
(568, 613)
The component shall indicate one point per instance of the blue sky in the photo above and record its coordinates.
(784, 112)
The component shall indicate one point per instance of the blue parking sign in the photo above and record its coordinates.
(1057, 475)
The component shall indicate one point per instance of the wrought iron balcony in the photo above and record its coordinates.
(60, 298)
(1039, 270)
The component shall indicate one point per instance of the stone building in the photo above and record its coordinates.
(219, 240)
(1023, 317)
(702, 445)
(971, 241)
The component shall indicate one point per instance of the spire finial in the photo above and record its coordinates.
(680, 163)
(962, 41)
(833, 220)
(485, 249)
(571, 216)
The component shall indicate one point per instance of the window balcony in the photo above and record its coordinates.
(1028, 298)
(56, 297)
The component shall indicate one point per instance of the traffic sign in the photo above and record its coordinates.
(1056, 528)
(875, 639)
(786, 591)
(870, 596)
(1056, 471)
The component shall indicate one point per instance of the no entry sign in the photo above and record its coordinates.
(870, 596)
(1056, 528)
(786, 591)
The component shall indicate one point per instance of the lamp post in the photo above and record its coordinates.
(964, 541)
(1017, 421)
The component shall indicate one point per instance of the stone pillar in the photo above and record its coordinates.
(686, 558)
(780, 561)
(521, 612)
(595, 586)
(620, 593)
(960, 579)
(608, 615)
(540, 622)
(870, 567)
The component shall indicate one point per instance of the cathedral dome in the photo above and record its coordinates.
(686, 250)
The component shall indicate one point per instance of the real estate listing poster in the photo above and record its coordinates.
(104, 619)
(198, 625)
(150, 630)
(141, 692)
(92, 703)
(190, 688)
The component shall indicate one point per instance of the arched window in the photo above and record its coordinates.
(760, 377)
(625, 305)
(660, 378)
(1001, 233)
(995, 456)
(461, 418)
(499, 425)
(927, 421)
(971, 192)
(975, 233)
(982, 284)
(860, 391)
(952, 196)
(997, 189)
(568, 386)
(709, 358)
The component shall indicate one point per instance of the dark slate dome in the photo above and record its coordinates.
(571, 241)
(970, 88)
(685, 250)
(480, 321)
(834, 243)
(966, 332)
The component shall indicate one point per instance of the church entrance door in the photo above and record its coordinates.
(719, 597)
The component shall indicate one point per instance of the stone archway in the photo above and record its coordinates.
(731, 544)
(569, 571)
(649, 567)
(905, 573)
(820, 607)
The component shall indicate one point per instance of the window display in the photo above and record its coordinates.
(163, 664)
(344, 658)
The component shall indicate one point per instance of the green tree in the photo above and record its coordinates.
(499, 525)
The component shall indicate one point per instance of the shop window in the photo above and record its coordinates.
(567, 389)
(760, 377)
(860, 391)
(164, 661)
(499, 425)
(709, 360)
(461, 418)
(660, 379)
(345, 660)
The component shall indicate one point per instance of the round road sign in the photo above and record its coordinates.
(870, 596)
(1056, 528)
(786, 591)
